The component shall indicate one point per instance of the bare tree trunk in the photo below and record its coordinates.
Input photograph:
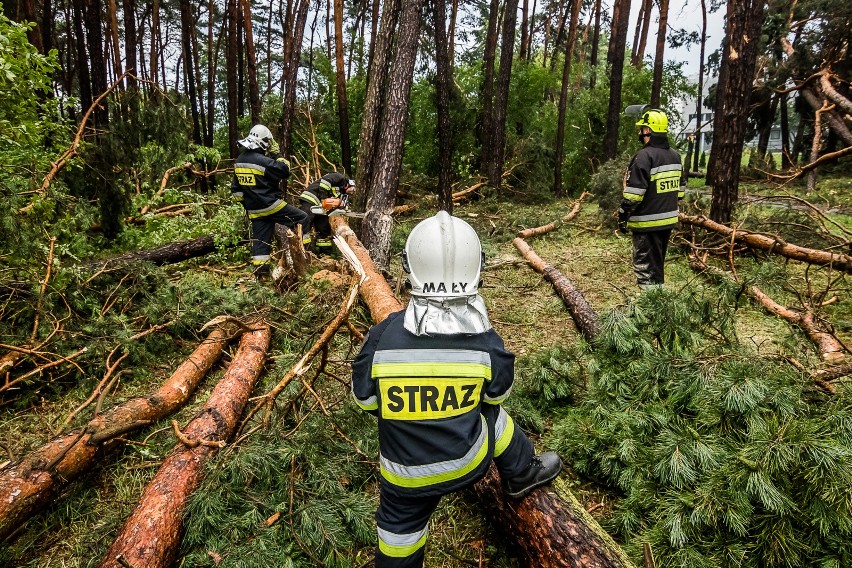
(251, 60)
(525, 8)
(95, 44)
(151, 536)
(112, 23)
(300, 18)
(231, 75)
(187, 23)
(378, 222)
(816, 144)
(451, 34)
(443, 84)
(131, 45)
(487, 116)
(501, 100)
(342, 104)
(736, 77)
(615, 62)
(596, 35)
(212, 60)
(639, 57)
(155, 33)
(84, 79)
(698, 100)
(563, 97)
(657, 84)
(785, 133)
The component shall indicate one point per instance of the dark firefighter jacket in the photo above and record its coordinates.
(655, 183)
(327, 186)
(427, 392)
(255, 183)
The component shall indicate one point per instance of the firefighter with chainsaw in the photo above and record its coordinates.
(257, 173)
(328, 195)
(649, 208)
(435, 375)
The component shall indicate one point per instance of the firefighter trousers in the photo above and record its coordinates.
(320, 224)
(649, 256)
(263, 227)
(403, 521)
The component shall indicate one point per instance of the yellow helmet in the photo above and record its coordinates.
(656, 120)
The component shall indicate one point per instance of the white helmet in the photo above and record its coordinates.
(259, 138)
(443, 257)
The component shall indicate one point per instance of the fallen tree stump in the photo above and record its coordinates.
(166, 254)
(837, 261)
(543, 521)
(151, 535)
(26, 487)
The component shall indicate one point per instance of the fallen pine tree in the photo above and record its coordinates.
(166, 254)
(837, 261)
(27, 486)
(151, 535)
(552, 531)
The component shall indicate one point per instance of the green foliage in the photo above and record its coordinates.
(724, 457)
(607, 185)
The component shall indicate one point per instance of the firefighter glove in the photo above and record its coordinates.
(274, 149)
(623, 216)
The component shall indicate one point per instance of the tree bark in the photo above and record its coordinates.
(378, 222)
(736, 77)
(657, 83)
(131, 45)
(525, 9)
(615, 61)
(95, 45)
(596, 34)
(643, 23)
(342, 103)
(84, 79)
(486, 118)
(837, 261)
(187, 23)
(443, 84)
(563, 97)
(166, 254)
(551, 528)
(251, 61)
(151, 536)
(231, 75)
(698, 100)
(501, 100)
(26, 487)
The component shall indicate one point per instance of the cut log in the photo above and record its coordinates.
(292, 258)
(549, 529)
(837, 261)
(831, 349)
(28, 486)
(166, 254)
(583, 314)
(151, 535)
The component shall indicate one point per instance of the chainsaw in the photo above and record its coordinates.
(341, 210)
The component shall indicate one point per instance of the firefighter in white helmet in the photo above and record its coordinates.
(435, 375)
(257, 173)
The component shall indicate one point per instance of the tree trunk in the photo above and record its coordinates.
(596, 35)
(837, 261)
(563, 97)
(153, 53)
(151, 536)
(26, 487)
(166, 254)
(736, 77)
(501, 100)
(187, 23)
(785, 134)
(378, 221)
(615, 61)
(212, 60)
(640, 39)
(231, 75)
(657, 84)
(551, 528)
(342, 103)
(131, 45)
(112, 24)
(443, 84)
(300, 18)
(451, 34)
(95, 45)
(486, 118)
(525, 8)
(251, 60)
(84, 79)
(816, 144)
(374, 104)
(698, 106)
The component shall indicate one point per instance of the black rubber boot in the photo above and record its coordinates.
(543, 469)
(263, 273)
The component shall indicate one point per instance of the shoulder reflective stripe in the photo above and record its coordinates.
(386, 370)
(635, 190)
(371, 403)
(434, 473)
(310, 197)
(401, 545)
(274, 208)
(325, 185)
(498, 399)
(504, 430)
(666, 168)
(430, 355)
(428, 398)
(248, 167)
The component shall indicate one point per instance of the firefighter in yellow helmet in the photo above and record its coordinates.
(257, 173)
(649, 207)
(435, 375)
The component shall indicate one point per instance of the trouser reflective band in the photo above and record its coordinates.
(401, 524)
(504, 429)
(259, 259)
(324, 242)
(401, 545)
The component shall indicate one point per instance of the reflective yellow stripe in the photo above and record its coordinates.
(504, 438)
(267, 212)
(632, 197)
(654, 223)
(402, 551)
(431, 369)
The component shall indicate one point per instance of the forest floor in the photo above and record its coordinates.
(299, 466)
